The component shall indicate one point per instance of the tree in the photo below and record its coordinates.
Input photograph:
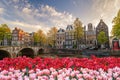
(116, 26)
(78, 31)
(35, 36)
(51, 38)
(116, 20)
(102, 38)
(40, 37)
(5, 32)
(116, 30)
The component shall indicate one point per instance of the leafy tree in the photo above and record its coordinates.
(51, 36)
(78, 30)
(5, 32)
(35, 36)
(40, 37)
(116, 20)
(116, 26)
(102, 38)
(116, 30)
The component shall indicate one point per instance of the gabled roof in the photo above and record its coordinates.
(70, 27)
(101, 24)
(61, 30)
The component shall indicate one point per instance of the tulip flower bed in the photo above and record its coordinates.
(24, 68)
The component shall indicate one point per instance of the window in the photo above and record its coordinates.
(66, 42)
(60, 42)
(69, 37)
(70, 43)
(72, 34)
(66, 37)
(72, 37)
(98, 30)
(66, 33)
(15, 38)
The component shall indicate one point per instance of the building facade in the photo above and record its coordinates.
(60, 38)
(90, 36)
(102, 27)
(27, 39)
(32, 38)
(67, 39)
(17, 37)
(70, 41)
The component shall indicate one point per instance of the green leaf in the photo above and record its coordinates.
(27, 71)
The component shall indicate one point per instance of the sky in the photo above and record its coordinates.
(31, 15)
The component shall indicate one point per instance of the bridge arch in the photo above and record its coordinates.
(28, 52)
(4, 54)
(40, 51)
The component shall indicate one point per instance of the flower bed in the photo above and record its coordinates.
(61, 74)
(60, 68)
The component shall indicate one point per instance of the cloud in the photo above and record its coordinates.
(1, 10)
(59, 19)
(26, 10)
(105, 9)
(74, 3)
(16, 1)
(26, 26)
(23, 25)
(20, 13)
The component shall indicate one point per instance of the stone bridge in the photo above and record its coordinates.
(13, 52)
(19, 51)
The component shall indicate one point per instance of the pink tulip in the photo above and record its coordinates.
(46, 71)
(115, 75)
(72, 74)
(31, 71)
(4, 72)
(26, 78)
(60, 71)
(118, 78)
(11, 69)
(55, 73)
(68, 73)
(77, 72)
(99, 77)
(79, 76)
(52, 69)
(24, 70)
(73, 79)
(20, 78)
(32, 76)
